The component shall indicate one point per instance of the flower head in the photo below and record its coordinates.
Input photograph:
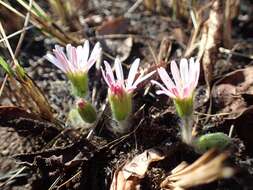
(119, 86)
(185, 79)
(76, 60)
(86, 111)
(76, 64)
(120, 90)
(182, 89)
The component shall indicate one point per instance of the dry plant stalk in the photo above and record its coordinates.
(153, 5)
(209, 167)
(42, 21)
(211, 40)
(29, 87)
(231, 11)
(128, 177)
(180, 8)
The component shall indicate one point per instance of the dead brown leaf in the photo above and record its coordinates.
(209, 167)
(229, 92)
(117, 25)
(129, 176)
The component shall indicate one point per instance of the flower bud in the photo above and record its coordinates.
(86, 111)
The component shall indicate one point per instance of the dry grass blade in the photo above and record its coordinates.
(206, 169)
(28, 85)
(42, 21)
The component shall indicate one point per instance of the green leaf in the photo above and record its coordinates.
(216, 140)
(6, 67)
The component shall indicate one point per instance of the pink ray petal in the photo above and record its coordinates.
(81, 64)
(165, 78)
(141, 78)
(119, 71)
(105, 78)
(175, 73)
(62, 59)
(86, 51)
(109, 73)
(197, 72)
(184, 71)
(187, 92)
(191, 70)
(132, 73)
(167, 92)
(55, 61)
(69, 52)
(74, 59)
(96, 52)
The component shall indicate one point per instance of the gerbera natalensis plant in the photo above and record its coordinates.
(120, 90)
(76, 64)
(181, 90)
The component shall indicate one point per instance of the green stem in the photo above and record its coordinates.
(187, 130)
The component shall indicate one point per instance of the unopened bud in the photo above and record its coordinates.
(86, 111)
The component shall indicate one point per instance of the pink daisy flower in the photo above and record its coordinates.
(119, 86)
(185, 79)
(76, 60)
(120, 90)
(76, 64)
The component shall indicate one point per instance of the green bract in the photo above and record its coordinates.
(87, 112)
(79, 82)
(184, 107)
(121, 105)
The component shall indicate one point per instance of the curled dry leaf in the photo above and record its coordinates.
(129, 176)
(233, 93)
(209, 167)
